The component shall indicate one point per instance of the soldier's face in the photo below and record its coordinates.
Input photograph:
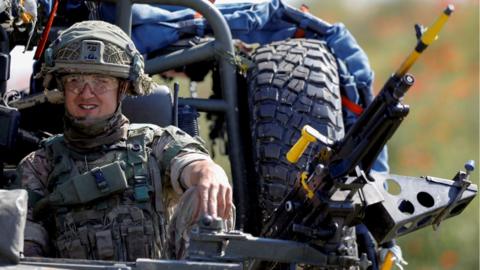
(90, 96)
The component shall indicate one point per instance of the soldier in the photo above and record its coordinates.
(96, 191)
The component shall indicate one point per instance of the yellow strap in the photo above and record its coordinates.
(26, 17)
(388, 262)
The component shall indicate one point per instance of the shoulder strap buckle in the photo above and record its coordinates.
(100, 180)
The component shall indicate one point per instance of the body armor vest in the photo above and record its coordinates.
(107, 206)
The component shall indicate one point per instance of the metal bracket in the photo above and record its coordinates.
(461, 183)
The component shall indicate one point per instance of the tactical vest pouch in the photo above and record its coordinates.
(71, 248)
(94, 184)
(104, 245)
(136, 243)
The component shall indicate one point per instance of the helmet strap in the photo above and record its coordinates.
(123, 86)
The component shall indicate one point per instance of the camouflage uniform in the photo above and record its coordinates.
(103, 197)
(94, 219)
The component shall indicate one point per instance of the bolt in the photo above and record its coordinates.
(470, 166)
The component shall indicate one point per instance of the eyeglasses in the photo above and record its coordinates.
(99, 84)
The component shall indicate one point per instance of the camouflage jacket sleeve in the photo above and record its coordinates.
(174, 150)
(32, 174)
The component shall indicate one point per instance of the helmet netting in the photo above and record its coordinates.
(114, 54)
(111, 54)
(69, 52)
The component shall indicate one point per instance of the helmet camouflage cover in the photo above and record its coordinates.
(96, 47)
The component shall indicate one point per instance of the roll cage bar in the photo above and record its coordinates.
(221, 49)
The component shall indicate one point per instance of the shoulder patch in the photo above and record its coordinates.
(180, 140)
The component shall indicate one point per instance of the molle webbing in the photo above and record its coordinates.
(106, 228)
(97, 183)
(137, 156)
(63, 167)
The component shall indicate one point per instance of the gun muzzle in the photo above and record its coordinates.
(426, 39)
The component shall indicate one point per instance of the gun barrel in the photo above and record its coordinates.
(426, 39)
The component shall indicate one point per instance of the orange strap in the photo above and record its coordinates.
(46, 31)
(388, 262)
(351, 106)
(197, 14)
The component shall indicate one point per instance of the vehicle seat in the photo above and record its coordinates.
(155, 108)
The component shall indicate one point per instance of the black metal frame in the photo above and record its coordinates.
(4, 61)
(220, 49)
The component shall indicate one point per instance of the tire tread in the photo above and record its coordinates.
(292, 83)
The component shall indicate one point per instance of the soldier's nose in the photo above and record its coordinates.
(87, 91)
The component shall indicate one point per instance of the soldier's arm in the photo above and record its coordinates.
(32, 174)
(174, 150)
(187, 163)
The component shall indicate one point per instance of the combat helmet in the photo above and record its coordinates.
(95, 47)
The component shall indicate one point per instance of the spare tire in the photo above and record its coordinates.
(292, 83)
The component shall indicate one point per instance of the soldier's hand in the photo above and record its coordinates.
(214, 190)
